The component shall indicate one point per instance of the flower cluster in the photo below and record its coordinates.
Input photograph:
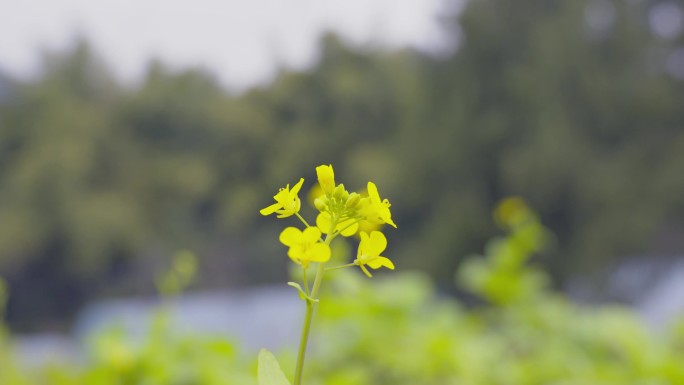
(340, 213)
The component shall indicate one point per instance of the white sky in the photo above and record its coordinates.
(242, 41)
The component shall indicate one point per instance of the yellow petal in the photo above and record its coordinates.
(368, 226)
(311, 235)
(270, 209)
(324, 221)
(379, 262)
(348, 227)
(364, 239)
(385, 214)
(362, 244)
(376, 244)
(291, 236)
(389, 221)
(284, 214)
(373, 193)
(296, 253)
(282, 194)
(289, 208)
(297, 187)
(320, 252)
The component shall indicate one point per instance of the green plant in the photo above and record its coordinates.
(340, 213)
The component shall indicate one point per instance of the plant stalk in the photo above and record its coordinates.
(310, 307)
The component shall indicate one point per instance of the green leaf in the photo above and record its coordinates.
(302, 294)
(269, 372)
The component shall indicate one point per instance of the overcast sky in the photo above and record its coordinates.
(241, 41)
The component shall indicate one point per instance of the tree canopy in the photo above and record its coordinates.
(572, 105)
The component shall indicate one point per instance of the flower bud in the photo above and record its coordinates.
(353, 200)
(340, 193)
(326, 178)
(321, 204)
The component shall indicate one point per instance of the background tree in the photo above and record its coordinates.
(574, 106)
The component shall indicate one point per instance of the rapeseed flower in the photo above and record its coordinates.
(369, 252)
(287, 201)
(374, 209)
(305, 246)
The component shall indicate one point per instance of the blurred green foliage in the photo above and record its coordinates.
(181, 274)
(98, 181)
(395, 330)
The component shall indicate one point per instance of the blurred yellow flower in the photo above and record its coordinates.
(305, 246)
(374, 209)
(326, 178)
(314, 193)
(369, 252)
(287, 201)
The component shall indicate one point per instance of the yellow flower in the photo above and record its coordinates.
(305, 246)
(369, 252)
(326, 178)
(374, 209)
(347, 227)
(287, 201)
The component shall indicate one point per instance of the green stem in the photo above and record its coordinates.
(310, 307)
(306, 282)
(303, 220)
(318, 280)
(303, 342)
(340, 267)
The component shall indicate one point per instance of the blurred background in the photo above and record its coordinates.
(130, 130)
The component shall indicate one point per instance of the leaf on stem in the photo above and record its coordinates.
(302, 294)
